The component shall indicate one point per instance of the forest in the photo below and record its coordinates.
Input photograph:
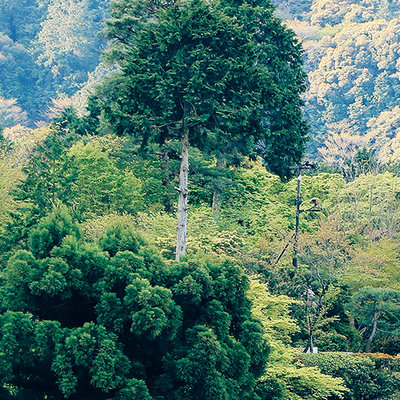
(199, 200)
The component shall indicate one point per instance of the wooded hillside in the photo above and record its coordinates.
(149, 202)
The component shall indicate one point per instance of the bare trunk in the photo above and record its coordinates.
(374, 328)
(309, 346)
(313, 317)
(183, 193)
(216, 203)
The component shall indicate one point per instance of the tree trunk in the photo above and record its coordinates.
(310, 344)
(183, 193)
(374, 328)
(309, 319)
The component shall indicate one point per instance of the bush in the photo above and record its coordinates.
(389, 345)
(110, 320)
(367, 376)
(331, 341)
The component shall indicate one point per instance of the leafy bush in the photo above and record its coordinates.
(367, 376)
(331, 341)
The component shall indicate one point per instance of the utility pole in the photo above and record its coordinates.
(299, 168)
(315, 207)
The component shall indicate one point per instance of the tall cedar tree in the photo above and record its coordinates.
(222, 77)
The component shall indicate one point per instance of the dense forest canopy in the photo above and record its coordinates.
(351, 58)
(94, 303)
(47, 49)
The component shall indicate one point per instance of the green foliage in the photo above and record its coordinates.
(120, 238)
(50, 232)
(369, 206)
(81, 322)
(82, 176)
(223, 94)
(9, 178)
(103, 316)
(49, 175)
(285, 378)
(376, 309)
(378, 377)
(100, 186)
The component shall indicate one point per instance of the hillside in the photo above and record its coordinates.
(47, 50)
(351, 58)
(152, 208)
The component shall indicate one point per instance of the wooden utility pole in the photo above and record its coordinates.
(299, 168)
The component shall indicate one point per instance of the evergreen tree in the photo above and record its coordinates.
(222, 77)
(109, 320)
(376, 308)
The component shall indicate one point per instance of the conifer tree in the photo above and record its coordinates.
(111, 321)
(221, 77)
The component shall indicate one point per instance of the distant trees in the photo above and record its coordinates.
(20, 19)
(351, 57)
(352, 70)
(47, 48)
(11, 114)
(70, 40)
(18, 78)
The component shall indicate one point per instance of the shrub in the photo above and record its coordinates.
(367, 376)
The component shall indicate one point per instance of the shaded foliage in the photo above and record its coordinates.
(112, 319)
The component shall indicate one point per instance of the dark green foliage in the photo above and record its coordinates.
(68, 121)
(82, 323)
(376, 309)
(270, 389)
(194, 59)
(50, 233)
(29, 344)
(121, 238)
(366, 377)
(387, 345)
